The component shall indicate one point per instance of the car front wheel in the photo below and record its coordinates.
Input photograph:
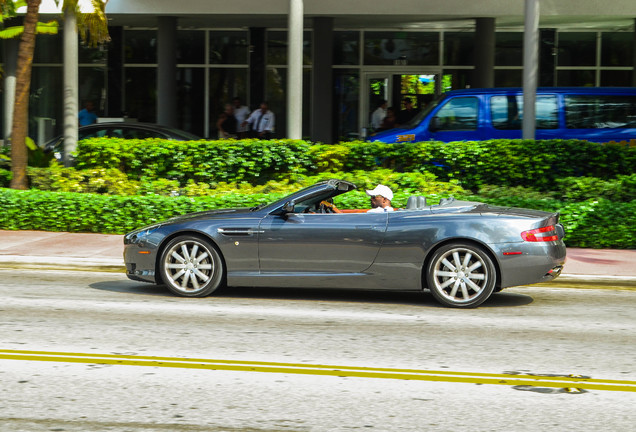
(191, 267)
(461, 275)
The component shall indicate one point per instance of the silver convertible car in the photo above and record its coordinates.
(459, 250)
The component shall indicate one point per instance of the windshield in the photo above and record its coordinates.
(415, 121)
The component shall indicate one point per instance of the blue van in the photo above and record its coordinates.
(590, 113)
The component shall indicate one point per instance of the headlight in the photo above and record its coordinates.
(140, 234)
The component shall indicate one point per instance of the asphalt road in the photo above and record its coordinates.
(83, 351)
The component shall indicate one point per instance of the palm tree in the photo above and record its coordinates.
(93, 28)
(19, 155)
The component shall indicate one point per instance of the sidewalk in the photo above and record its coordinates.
(102, 252)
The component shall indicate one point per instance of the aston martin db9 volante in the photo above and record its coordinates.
(461, 251)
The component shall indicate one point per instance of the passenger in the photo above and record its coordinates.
(381, 198)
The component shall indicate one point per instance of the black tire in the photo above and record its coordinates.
(191, 267)
(461, 275)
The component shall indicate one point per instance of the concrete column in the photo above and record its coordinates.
(10, 63)
(167, 71)
(295, 70)
(484, 53)
(71, 85)
(322, 81)
(530, 67)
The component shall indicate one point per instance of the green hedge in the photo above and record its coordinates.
(528, 163)
(593, 224)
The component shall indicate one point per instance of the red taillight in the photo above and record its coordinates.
(539, 234)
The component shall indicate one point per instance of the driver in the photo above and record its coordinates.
(381, 198)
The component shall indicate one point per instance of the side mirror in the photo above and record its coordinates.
(289, 207)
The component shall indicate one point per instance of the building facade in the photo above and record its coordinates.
(354, 53)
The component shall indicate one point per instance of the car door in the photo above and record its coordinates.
(320, 243)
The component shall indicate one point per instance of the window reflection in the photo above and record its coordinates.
(140, 46)
(403, 48)
(228, 47)
(507, 112)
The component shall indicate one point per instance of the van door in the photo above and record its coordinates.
(457, 119)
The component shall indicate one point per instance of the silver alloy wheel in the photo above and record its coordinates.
(191, 267)
(461, 276)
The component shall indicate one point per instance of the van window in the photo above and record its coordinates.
(459, 113)
(597, 112)
(507, 112)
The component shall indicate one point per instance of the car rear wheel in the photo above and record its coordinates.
(191, 267)
(461, 275)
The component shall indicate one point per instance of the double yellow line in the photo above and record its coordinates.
(560, 382)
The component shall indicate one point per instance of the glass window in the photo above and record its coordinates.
(617, 49)
(277, 48)
(225, 84)
(140, 46)
(576, 78)
(508, 77)
(141, 93)
(455, 79)
(401, 48)
(507, 112)
(458, 48)
(459, 113)
(92, 133)
(92, 87)
(508, 49)
(346, 48)
(190, 47)
(130, 132)
(276, 95)
(45, 96)
(91, 55)
(48, 49)
(597, 112)
(616, 78)
(577, 49)
(191, 100)
(347, 92)
(229, 47)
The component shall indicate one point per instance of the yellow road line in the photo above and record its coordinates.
(326, 370)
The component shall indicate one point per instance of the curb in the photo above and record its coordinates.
(72, 264)
(112, 265)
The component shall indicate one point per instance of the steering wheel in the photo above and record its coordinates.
(327, 207)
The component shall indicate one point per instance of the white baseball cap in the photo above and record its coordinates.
(382, 191)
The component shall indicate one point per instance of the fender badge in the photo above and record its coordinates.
(404, 138)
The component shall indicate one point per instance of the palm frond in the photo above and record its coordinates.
(50, 27)
(11, 32)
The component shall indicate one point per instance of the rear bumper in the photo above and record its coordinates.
(536, 263)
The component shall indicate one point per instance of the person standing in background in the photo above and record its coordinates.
(378, 115)
(241, 112)
(87, 116)
(227, 124)
(261, 122)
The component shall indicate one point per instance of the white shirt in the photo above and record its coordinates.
(377, 117)
(241, 114)
(380, 210)
(265, 124)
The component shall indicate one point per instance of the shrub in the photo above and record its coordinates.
(527, 163)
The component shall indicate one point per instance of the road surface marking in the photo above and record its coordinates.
(567, 382)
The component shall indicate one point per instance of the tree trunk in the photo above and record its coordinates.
(19, 130)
